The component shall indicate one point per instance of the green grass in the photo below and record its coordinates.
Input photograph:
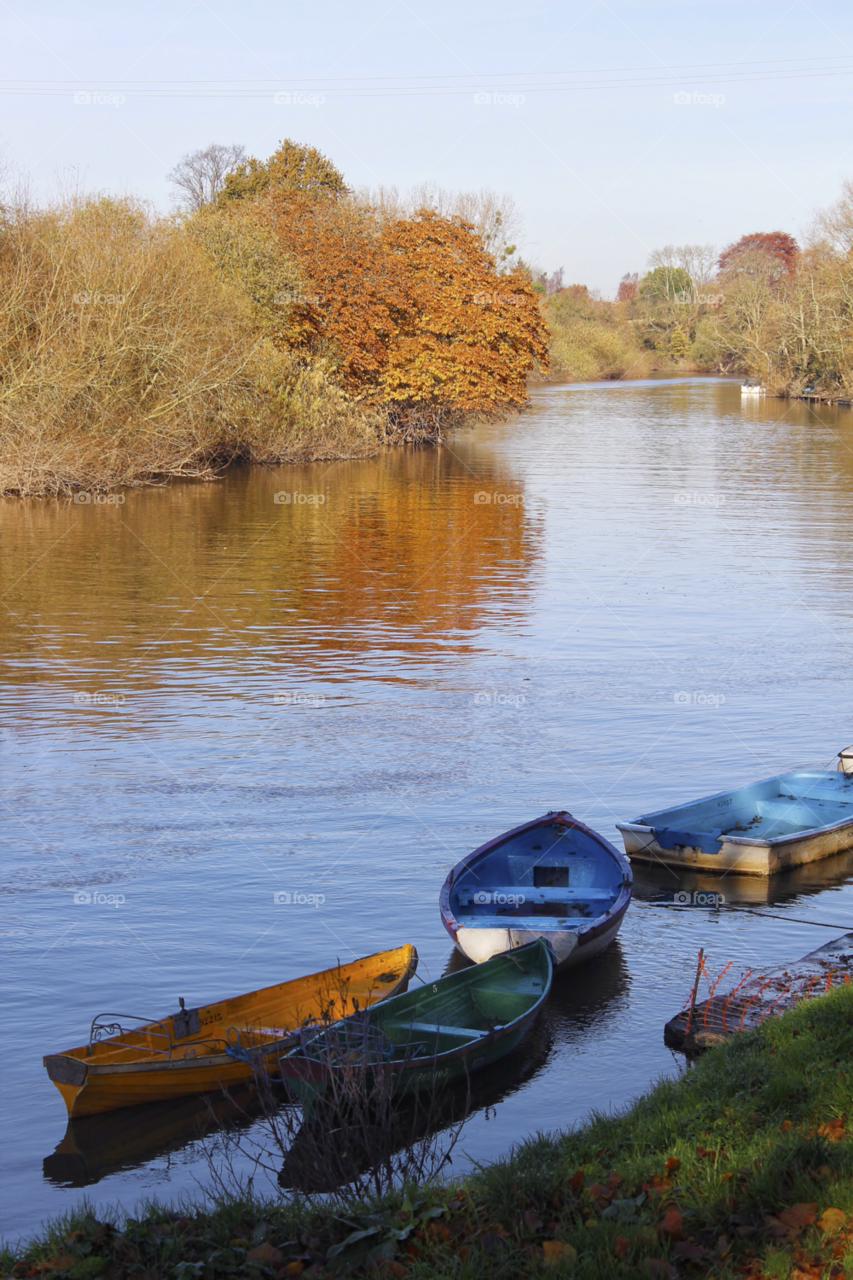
(754, 1129)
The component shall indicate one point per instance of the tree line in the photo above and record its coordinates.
(277, 315)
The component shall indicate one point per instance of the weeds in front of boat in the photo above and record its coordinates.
(742, 1167)
(358, 1138)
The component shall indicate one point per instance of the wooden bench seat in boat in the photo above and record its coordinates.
(437, 1028)
(467, 897)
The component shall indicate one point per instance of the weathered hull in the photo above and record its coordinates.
(427, 1038)
(739, 854)
(308, 1079)
(570, 947)
(129, 1069)
(521, 869)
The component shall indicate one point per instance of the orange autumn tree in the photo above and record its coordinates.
(468, 336)
(413, 311)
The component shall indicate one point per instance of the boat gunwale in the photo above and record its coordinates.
(209, 1061)
(453, 924)
(490, 1037)
(772, 842)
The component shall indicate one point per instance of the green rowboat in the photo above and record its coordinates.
(429, 1036)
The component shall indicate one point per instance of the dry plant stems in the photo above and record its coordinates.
(359, 1139)
(127, 354)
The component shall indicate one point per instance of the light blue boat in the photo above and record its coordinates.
(756, 830)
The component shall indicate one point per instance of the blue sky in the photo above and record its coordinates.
(604, 171)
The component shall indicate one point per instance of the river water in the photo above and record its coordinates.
(210, 697)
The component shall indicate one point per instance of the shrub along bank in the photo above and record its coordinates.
(742, 1167)
(284, 320)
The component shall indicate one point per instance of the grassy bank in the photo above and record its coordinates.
(744, 1167)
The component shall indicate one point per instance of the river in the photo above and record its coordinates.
(627, 597)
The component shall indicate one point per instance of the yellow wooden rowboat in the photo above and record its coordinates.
(216, 1045)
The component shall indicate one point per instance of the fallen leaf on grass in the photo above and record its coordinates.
(833, 1130)
(266, 1254)
(672, 1224)
(689, 1251)
(798, 1216)
(832, 1220)
(660, 1267)
(672, 1163)
(557, 1251)
(620, 1246)
(576, 1181)
(296, 1268)
(598, 1191)
(786, 1125)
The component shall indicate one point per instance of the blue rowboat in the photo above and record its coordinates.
(551, 878)
(768, 826)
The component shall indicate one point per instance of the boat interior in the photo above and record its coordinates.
(421, 1025)
(240, 1026)
(767, 810)
(546, 877)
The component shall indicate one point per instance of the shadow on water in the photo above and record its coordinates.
(659, 885)
(94, 1147)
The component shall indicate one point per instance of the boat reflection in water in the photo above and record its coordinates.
(660, 884)
(314, 1165)
(112, 1142)
(94, 1147)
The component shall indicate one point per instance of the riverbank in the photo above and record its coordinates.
(742, 1167)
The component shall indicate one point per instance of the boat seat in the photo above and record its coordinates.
(433, 1028)
(466, 896)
